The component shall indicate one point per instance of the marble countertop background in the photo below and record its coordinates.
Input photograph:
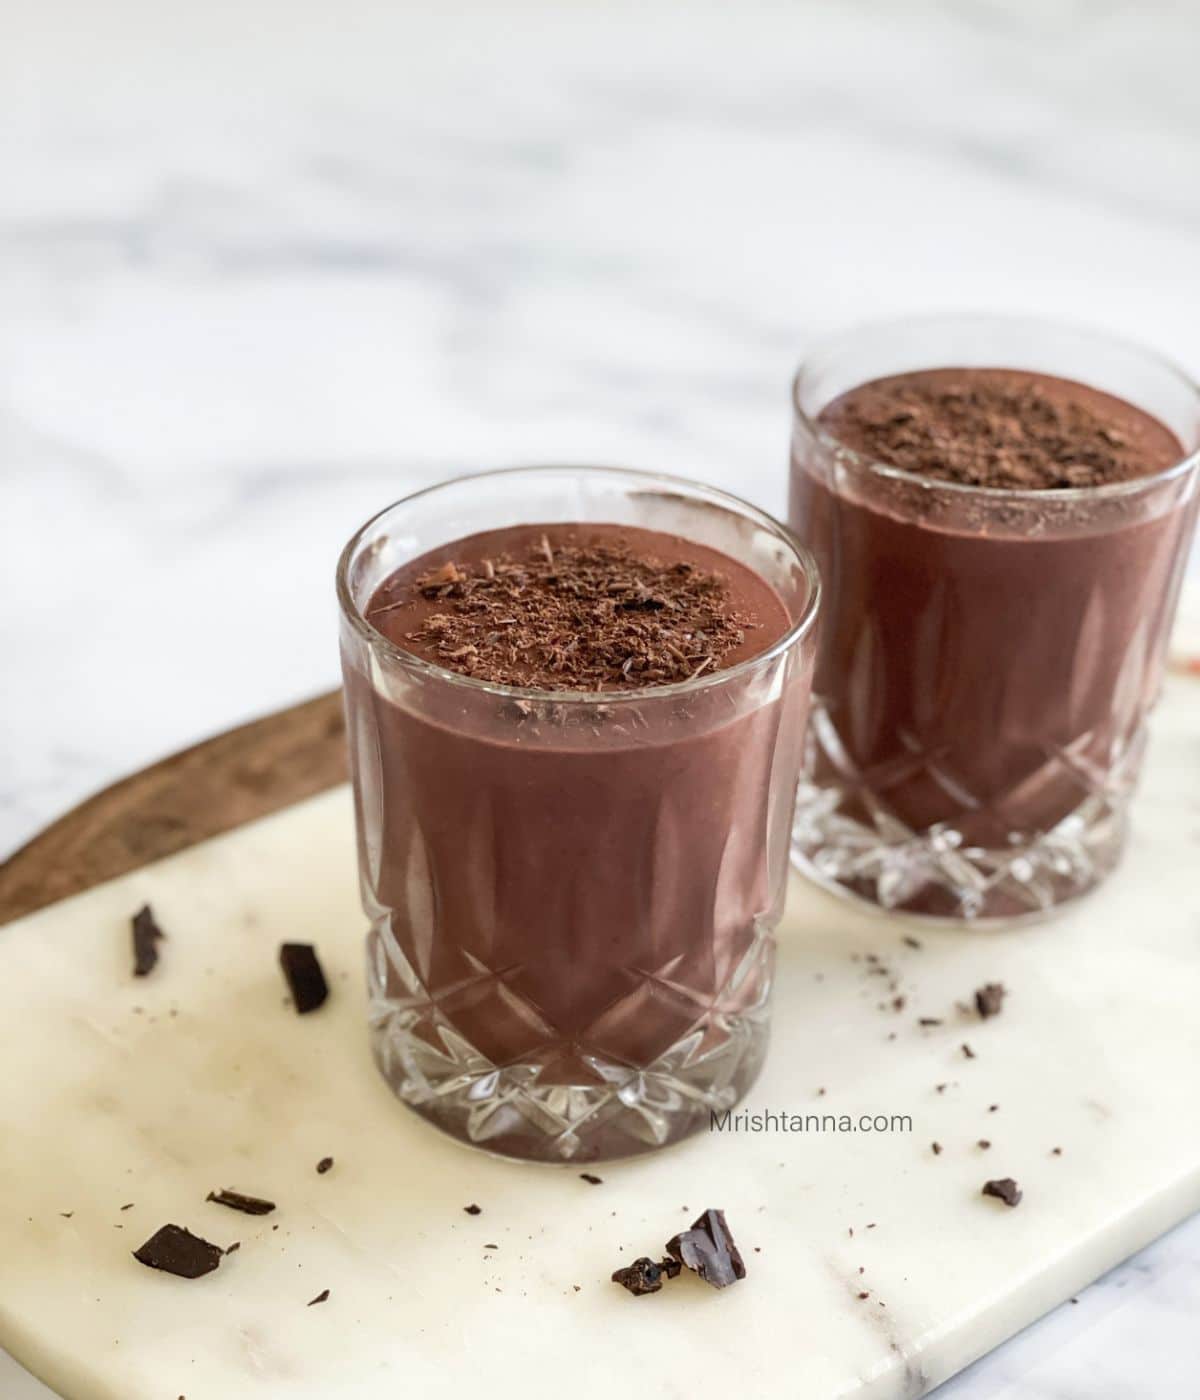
(265, 267)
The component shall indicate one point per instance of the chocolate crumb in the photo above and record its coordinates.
(248, 1205)
(708, 1250)
(863, 1296)
(473, 1209)
(305, 979)
(322, 1297)
(989, 1000)
(937, 1149)
(177, 1251)
(1004, 1189)
(324, 1165)
(998, 428)
(912, 942)
(984, 1143)
(234, 1247)
(993, 1108)
(128, 1207)
(146, 937)
(591, 1179)
(968, 1053)
(1056, 1152)
(574, 615)
(929, 1021)
(641, 1277)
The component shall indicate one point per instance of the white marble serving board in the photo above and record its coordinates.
(156, 1091)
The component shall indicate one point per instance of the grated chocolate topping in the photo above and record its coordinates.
(1000, 428)
(589, 616)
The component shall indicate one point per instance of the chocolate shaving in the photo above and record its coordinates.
(708, 1250)
(1004, 1189)
(591, 1179)
(641, 1277)
(322, 1297)
(177, 1251)
(581, 615)
(146, 937)
(248, 1205)
(989, 1000)
(305, 980)
(998, 428)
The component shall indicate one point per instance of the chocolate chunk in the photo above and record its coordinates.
(591, 1179)
(322, 1297)
(1005, 1189)
(324, 1165)
(248, 1205)
(305, 979)
(177, 1251)
(473, 1209)
(708, 1249)
(642, 1276)
(146, 937)
(990, 999)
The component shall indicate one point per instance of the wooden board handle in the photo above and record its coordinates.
(212, 787)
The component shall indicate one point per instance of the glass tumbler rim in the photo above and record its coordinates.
(872, 466)
(727, 500)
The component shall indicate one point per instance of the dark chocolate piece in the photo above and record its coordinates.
(305, 979)
(989, 1000)
(322, 1297)
(591, 1179)
(146, 937)
(708, 1249)
(642, 1276)
(672, 1268)
(323, 1165)
(473, 1209)
(248, 1205)
(1005, 1189)
(177, 1251)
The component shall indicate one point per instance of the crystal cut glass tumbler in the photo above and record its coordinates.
(988, 657)
(572, 896)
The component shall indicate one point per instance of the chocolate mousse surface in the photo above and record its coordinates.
(982, 674)
(575, 886)
(578, 608)
(1000, 428)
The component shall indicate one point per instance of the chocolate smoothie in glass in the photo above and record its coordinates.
(576, 701)
(1001, 511)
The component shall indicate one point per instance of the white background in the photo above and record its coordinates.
(264, 267)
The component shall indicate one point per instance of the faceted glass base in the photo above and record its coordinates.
(847, 839)
(564, 1101)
